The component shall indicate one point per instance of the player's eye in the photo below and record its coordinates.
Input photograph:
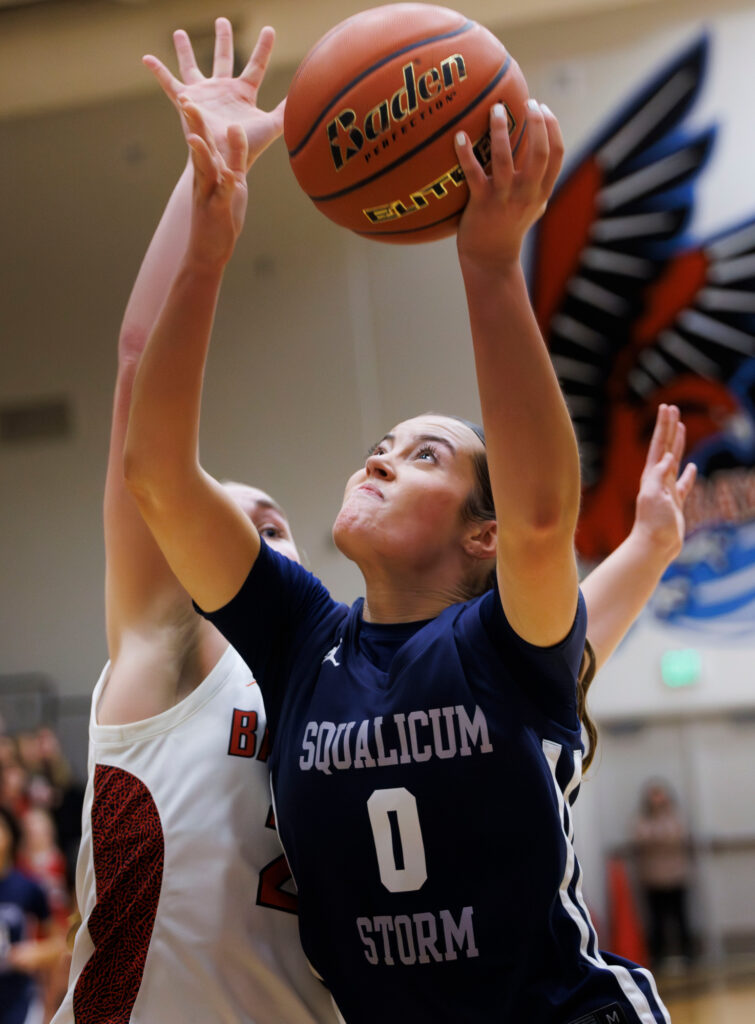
(427, 453)
(270, 532)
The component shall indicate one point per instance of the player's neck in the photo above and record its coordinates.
(408, 600)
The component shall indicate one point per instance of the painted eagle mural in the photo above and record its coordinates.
(636, 312)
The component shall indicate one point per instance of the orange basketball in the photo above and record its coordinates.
(372, 113)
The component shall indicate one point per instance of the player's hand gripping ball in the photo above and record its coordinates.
(372, 113)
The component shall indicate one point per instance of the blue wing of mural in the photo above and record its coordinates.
(636, 312)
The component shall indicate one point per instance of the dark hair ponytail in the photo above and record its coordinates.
(584, 680)
(480, 508)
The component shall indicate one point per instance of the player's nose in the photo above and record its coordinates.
(380, 465)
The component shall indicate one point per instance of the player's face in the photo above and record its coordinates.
(268, 517)
(406, 503)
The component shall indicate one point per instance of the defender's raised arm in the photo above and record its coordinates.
(207, 540)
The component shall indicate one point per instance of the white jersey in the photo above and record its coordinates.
(188, 914)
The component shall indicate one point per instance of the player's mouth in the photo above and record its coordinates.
(371, 489)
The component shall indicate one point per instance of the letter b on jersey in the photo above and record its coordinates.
(243, 742)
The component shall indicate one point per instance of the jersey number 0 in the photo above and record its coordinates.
(398, 839)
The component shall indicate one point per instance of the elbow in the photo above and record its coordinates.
(144, 474)
(136, 475)
(553, 513)
(131, 343)
(152, 477)
(547, 524)
(544, 537)
(541, 503)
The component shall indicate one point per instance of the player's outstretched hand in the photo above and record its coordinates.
(220, 192)
(222, 99)
(508, 198)
(659, 510)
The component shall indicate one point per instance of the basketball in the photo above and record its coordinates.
(373, 109)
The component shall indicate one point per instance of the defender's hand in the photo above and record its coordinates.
(660, 501)
(220, 192)
(221, 99)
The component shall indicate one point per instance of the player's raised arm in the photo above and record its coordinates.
(141, 589)
(532, 450)
(208, 541)
(138, 580)
(617, 590)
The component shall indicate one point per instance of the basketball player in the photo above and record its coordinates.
(427, 742)
(181, 877)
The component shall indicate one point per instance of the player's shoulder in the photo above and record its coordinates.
(302, 593)
(486, 613)
(501, 662)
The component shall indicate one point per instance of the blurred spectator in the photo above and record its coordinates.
(28, 944)
(41, 859)
(28, 748)
(34, 773)
(14, 787)
(40, 830)
(664, 869)
(67, 799)
(8, 749)
(39, 789)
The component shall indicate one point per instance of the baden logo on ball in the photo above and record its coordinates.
(404, 102)
(373, 109)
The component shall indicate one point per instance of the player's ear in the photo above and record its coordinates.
(481, 539)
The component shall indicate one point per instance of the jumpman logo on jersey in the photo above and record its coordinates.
(331, 655)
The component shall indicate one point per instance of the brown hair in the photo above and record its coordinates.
(479, 508)
(13, 828)
(584, 680)
(74, 922)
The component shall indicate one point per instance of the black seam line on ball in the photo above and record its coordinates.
(418, 149)
(355, 81)
(441, 220)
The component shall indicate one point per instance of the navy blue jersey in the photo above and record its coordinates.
(424, 776)
(22, 900)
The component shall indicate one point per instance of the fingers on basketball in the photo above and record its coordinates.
(556, 150)
(474, 174)
(533, 165)
(501, 157)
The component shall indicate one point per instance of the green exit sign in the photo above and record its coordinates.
(681, 668)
